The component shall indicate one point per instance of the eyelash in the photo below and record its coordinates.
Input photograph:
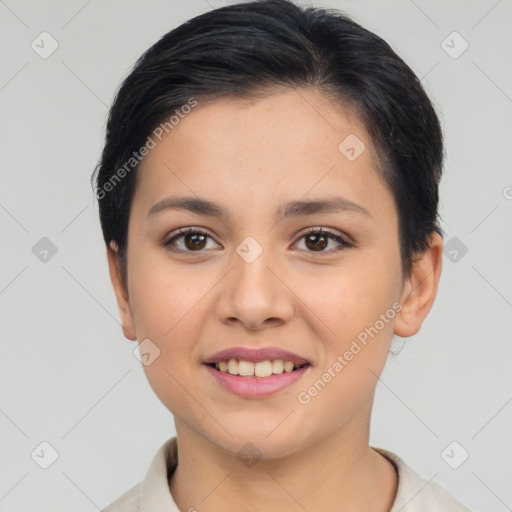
(318, 231)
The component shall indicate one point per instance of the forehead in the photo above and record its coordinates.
(291, 143)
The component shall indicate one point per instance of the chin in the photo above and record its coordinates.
(258, 441)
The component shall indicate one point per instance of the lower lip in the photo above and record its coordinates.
(256, 387)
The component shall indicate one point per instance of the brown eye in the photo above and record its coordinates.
(195, 241)
(317, 240)
(188, 240)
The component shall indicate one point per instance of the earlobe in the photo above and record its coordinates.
(121, 293)
(420, 289)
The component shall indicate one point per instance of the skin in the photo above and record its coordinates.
(252, 157)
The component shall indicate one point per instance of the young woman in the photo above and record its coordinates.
(268, 196)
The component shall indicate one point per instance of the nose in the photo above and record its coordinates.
(255, 294)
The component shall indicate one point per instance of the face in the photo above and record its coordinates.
(259, 270)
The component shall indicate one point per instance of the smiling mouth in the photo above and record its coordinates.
(262, 369)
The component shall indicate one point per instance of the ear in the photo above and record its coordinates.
(420, 289)
(120, 291)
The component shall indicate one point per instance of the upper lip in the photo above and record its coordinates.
(255, 355)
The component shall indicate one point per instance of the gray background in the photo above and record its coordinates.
(67, 374)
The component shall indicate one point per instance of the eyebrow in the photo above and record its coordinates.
(202, 206)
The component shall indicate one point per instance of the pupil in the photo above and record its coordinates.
(196, 238)
(319, 241)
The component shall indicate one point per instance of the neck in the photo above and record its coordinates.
(338, 472)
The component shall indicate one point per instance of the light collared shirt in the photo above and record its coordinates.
(414, 494)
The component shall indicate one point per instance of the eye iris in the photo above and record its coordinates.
(195, 241)
(318, 240)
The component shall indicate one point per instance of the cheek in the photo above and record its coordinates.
(359, 309)
(167, 309)
(357, 305)
(354, 295)
(162, 294)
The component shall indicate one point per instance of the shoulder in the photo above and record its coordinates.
(415, 494)
(152, 494)
(128, 502)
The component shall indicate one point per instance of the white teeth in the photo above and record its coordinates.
(277, 366)
(233, 367)
(246, 368)
(288, 366)
(263, 369)
(260, 369)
